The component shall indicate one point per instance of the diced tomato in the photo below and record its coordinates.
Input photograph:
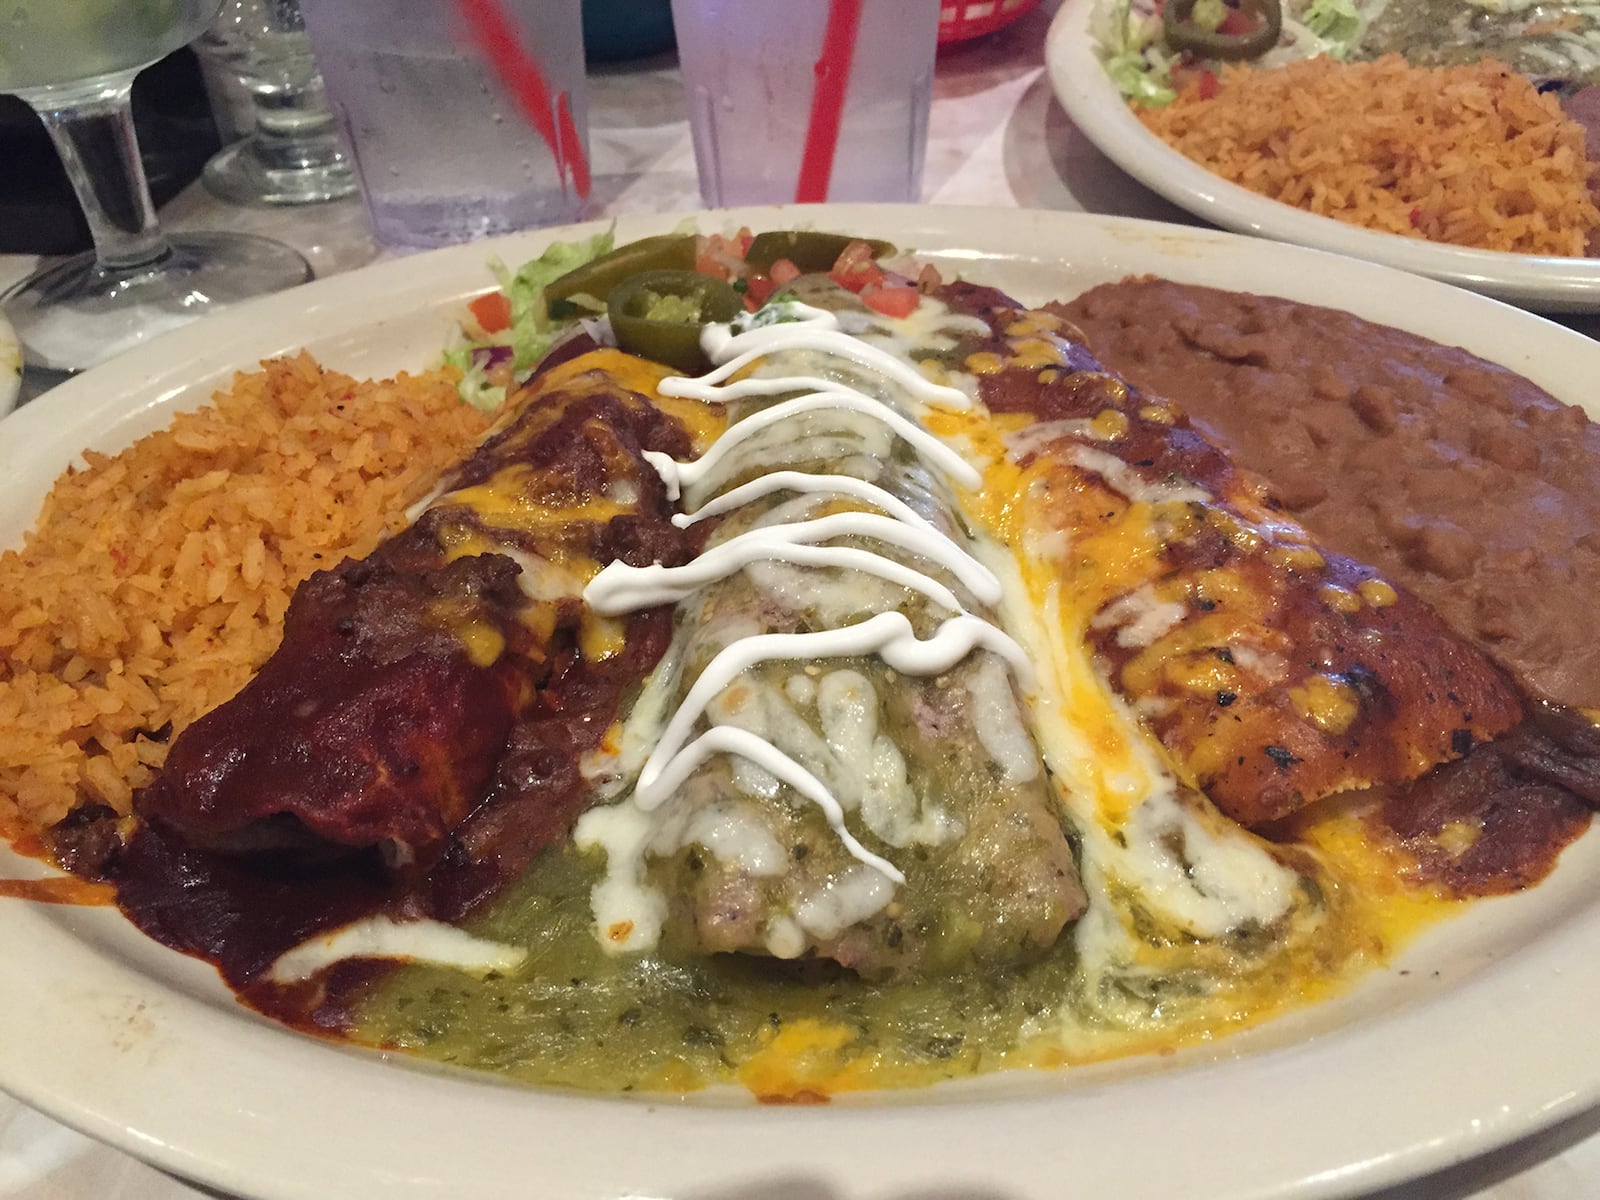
(757, 289)
(1415, 217)
(1237, 23)
(492, 312)
(722, 257)
(783, 271)
(858, 277)
(706, 263)
(1188, 77)
(854, 268)
(892, 301)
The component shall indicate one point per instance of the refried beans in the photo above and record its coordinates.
(1458, 478)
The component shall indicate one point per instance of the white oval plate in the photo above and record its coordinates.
(1481, 1033)
(1101, 112)
(10, 366)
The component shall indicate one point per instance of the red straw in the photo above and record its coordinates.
(827, 101)
(520, 75)
(573, 147)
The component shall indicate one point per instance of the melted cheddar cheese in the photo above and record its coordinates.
(1195, 928)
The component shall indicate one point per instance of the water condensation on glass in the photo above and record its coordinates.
(749, 66)
(443, 153)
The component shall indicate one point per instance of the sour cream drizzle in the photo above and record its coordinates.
(800, 481)
(890, 636)
(621, 588)
(641, 587)
(807, 328)
(679, 475)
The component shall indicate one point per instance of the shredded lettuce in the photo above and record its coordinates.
(592, 306)
(1139, 78)
(1130, 49)
(1336, 22)
(474, 388)
(1129, 37)
(534, 328)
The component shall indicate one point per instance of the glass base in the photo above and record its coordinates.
(77, 313)
(240, 174)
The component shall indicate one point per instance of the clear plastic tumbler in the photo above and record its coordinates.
(442, 142)
(751, 68)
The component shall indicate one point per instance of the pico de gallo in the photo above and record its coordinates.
(653, 295)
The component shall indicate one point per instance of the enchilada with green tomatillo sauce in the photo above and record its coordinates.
(880, 679)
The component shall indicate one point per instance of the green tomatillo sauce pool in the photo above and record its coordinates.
(573, 1015)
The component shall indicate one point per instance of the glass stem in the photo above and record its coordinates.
(294, 128)
(95, 138)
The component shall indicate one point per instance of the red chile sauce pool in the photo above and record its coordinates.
(1455, 477)
(55, 889)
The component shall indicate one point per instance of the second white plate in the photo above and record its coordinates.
(1101, 112)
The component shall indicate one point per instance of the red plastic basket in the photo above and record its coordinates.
(963, 19)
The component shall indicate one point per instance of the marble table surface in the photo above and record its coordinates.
(996, 137)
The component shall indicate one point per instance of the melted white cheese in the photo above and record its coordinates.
(890, 636)
(854, 896)
(628, 912)
(930, 327)
(785, 938)
(1267, 664)
(999, 724)
(1128, 809)
(1193, 872)
(383, 937)
(1140, 618)
(733, 835)
(728, 739)
(541, 579)
(852, 767)
(1127, 482)
(1033, 438)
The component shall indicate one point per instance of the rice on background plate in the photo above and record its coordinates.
(1472, 155)
(155, 581)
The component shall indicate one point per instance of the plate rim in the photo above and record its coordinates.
(10, 366)
(156, 1034)
(1544, 283)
